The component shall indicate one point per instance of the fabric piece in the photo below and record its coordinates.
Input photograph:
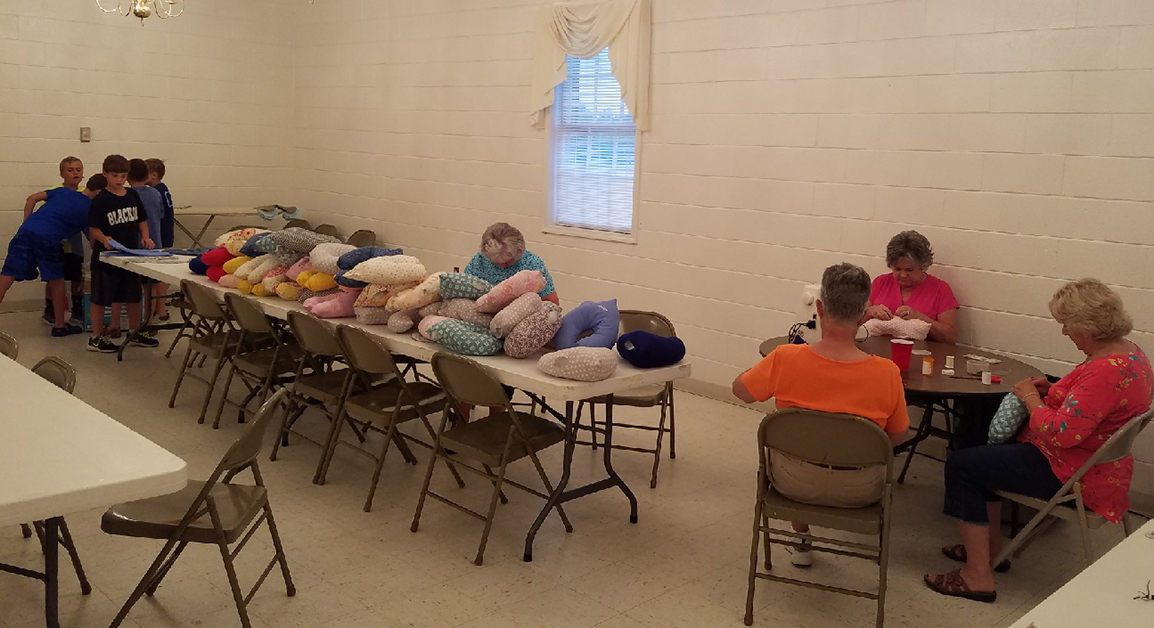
(534, 332)
(819, 485)
(464, 337)
(647, 350)
(349, 260)
(415, 297)
(388, 270)
(582, 30)
(931, 297)
(797, 377)
(400, 322)
(910, 329)
(1011, 414)
(289, 291)
(480, 266)
(373, 296)
(324, 256)
(463, 286)
(231, 265)
(299, 240)
(273, 278)
(197, 266)
(465, 310)
(371, 315)
(303, 264)
(502, 294)
(344, 281)
(426, 323)
(584, 364)
(602, 319)
(1081, 411)
(505, 320)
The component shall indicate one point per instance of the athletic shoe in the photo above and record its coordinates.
(801, 556)
(101, 344)
(67, 330)
(142, 340)
(112, 333)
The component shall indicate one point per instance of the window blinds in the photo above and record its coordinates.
(594, 149)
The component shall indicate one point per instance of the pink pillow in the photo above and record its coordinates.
(299, 267)
(503, 293)
(339, 305)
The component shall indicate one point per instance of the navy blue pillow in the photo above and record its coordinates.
(647, 350)
(349, 283)
(356, 256)
(197, 266)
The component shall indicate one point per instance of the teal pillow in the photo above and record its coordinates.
(1008, 420)
(463, 286)
(464, 337)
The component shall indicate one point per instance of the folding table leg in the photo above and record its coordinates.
(609, 460)
(51, 580)
(555, 497)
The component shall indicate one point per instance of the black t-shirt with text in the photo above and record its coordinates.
(118, 217)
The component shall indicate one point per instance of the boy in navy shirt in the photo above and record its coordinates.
(36, 246)
(167, 225)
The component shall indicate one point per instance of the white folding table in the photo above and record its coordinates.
(59, 456)
(1112, 592)
(520, 374)
(211, 213)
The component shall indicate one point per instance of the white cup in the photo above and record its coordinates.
(987, 377)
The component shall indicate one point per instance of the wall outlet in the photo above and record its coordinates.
(85, 134)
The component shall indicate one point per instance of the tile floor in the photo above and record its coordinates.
(682, 565)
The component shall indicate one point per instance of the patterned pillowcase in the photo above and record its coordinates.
(899, 328)
(465, 310)
(324, 256)
(258, 244)
(299, 240)
(1008, 420)
(584, 364)
(464, 338)
(373, 296)
(258, 272)
(389, 270)
(515, 312)
(371, 315)
(345, 282)
(503, 293)
(426, 323)
(600, 318)
(273, 278)
(401, 322)
(416, 296)
(534, 332)
(288, 258)
(431, 309)
(462, 286)
(234, 240)
(349, 260)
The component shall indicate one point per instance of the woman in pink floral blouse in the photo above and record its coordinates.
(1069, 421)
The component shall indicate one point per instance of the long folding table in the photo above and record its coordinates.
(520, 374)
(60, 456)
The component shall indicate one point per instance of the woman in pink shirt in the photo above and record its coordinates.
(909, 292)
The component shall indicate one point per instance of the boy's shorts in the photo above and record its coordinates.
(113, 285)
(73, 267)
(28, 252)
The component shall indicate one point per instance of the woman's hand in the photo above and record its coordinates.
(909, 313)
(880, 312)
(1042, 385)
(1028, 393)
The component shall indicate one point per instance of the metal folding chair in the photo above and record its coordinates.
(326, 229)
(362, 237)
(213, 336)
(8, 346)
(297, 222)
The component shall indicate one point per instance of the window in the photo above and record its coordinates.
(593, 144)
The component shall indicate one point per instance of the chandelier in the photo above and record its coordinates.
(145, 8)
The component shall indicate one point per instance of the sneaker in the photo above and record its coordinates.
(67, 330)
(801, 556)
(112, 333)
(146, 334)
(101, 344)
(49, 319)
(143, 340)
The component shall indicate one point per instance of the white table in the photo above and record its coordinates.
(59, 456)
(520, 374)
(1103, 594)
(211, 213)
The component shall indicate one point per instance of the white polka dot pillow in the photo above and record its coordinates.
(505, 320)
(324, 256)
(534, 332)
(462, 286)
(371, 315)
(465, 310)
(464, 338)
(431, 309)
(400, 322)
(388, 270)
(299, 240)
(584, 364)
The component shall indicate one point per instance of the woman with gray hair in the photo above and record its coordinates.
(911, 293)
(503, 255)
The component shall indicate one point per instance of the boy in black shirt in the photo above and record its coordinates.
(116, 214)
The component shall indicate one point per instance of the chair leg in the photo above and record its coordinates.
(657, 450)
(672, 428)
(180, 377)
(592, 424)
(501, 494)
(1019, 540)
(149, 576)
(884, 558)
(1084, 526)
(923, 430)
(766, 541)
(493, 503)
(216, 369)
(164, 569)
(25, 530)
(70, 547)
(425, 485)
(753, 562)
(290, 588)
(229, 568)
(224, 394)
(380, 464)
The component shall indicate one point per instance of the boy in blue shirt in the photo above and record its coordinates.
(72, 176)
(36, 246)
(167, 226)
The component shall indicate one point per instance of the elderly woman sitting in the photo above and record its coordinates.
(831, 375)
(911, 293)
(503, 255)
(1069, 420)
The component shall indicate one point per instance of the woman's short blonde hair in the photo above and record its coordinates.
(502, 243)
(1089, 307)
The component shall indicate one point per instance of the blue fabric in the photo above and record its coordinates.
(197, 266)
(63, 215)
(154, 209)
(168, 221)
(974, 473)
(30, 251)
(349, 260)
(349, 283)
(258, 245)
(600, 318)
(480, 266)
(647, 350)
(1008, 420)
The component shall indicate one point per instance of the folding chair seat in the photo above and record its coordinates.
(214, 511)
(653, 396)
(493, 441)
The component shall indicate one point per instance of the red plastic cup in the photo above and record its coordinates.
(900, 352)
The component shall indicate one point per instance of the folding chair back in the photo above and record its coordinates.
(652, 322)
(314, 336)
(57, 371)
(8, 346)
(365, 353)
(203, 301)
(326, 229)
(246, 448)
(248, 316)
(1120, 443)
(297, 222)
(467, 382)
(836, 440)
(362, 237)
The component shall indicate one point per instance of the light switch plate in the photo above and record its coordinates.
(85, 134)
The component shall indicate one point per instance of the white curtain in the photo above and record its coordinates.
(582, 30)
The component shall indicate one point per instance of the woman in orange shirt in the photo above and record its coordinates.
(831, 375)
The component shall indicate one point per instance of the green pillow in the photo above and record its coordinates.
(464, 337)
(1008, 420)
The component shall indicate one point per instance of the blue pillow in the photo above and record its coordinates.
(356, 256)
(348, 283)
(1008, 420)
(600, 318)
(197, 266)
(647, 350)
(258, 245)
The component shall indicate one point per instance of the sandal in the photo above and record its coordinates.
(958, 553)
(953, 585)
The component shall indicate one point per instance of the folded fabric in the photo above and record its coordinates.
(197, 266)
(464, 337)
(648, 350)
(463, 286)
(534, 332)
(1008, 420)
(390, 269)
(505, 320)
(301, 266)
(425, 293)
(371, 315)
(601, 319)
(350, 259)
(502, 294)
(465, 310)
(217, 257)
(324, 256)
(258, 244)
(345, 281)
(300, 240)
(899, 328)
(400, 322)
(231, 265)
(584, 364)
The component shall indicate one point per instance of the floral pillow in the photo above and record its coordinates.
(534, 332)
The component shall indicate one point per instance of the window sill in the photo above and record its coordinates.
(591, 234)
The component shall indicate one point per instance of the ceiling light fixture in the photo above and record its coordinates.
(146, 8)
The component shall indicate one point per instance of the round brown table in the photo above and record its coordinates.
(961, 397)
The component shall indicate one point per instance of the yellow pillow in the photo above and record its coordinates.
(231, 265)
